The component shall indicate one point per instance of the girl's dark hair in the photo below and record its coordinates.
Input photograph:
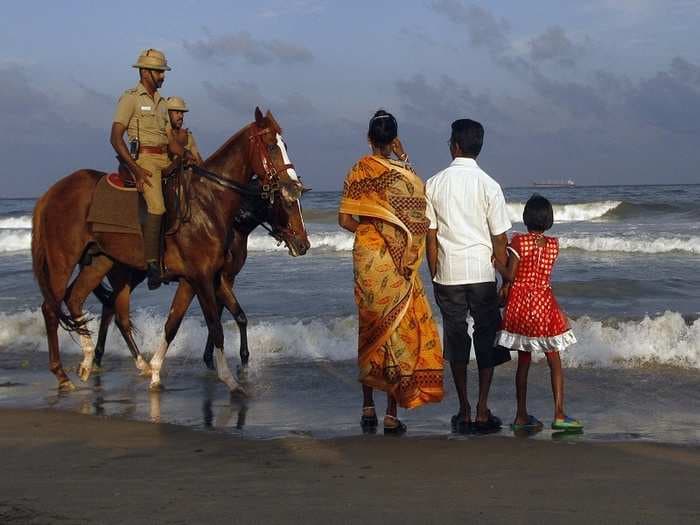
(538, 214)
(382, 128)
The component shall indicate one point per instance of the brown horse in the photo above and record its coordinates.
(254, 213)
(252, 162)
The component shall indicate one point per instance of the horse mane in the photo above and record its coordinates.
(226, 144)
(270, 120)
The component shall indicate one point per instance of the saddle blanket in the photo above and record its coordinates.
(115, 206)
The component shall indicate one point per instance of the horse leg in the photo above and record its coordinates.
(228, 298)
(122, 290)
(88, 279)
(207, 301)
(106, 297)
(178, 308)
(208, 356)
(51, 321)
(105, 320)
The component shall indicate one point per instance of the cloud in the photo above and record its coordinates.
(554, 45)
(669, 100)
(40, 138)
(243, 45)
(444, 102)
(291, 8)
(241, 97)
(485, 29)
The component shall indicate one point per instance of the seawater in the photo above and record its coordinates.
(627, 276)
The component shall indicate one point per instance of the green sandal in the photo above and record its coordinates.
(568, 423)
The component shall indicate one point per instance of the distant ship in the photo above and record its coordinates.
(554, 184)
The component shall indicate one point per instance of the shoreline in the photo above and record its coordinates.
(72, 468)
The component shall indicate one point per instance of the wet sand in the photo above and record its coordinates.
(61, 467)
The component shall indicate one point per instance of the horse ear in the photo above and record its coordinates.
(258, 116)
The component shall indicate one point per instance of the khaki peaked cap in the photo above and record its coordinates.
(152, 59)
(177, 104)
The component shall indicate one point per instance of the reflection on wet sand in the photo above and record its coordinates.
(322, 400)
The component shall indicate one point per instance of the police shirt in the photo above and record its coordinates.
(144, 117)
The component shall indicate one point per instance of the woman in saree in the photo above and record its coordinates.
(399, 349)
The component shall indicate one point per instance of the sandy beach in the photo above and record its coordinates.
(61, 467)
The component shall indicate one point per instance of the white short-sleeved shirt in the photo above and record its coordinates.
(467, 207)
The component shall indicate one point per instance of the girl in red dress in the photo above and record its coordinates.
(533, 321)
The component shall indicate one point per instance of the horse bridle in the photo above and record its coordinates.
(265, 191)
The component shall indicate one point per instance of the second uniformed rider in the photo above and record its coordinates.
(181, 139)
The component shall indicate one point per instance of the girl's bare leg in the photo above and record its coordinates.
(524, 360)
(557, 383)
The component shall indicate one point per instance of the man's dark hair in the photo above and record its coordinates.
(468, 135)
(382, 128)
(538, 214)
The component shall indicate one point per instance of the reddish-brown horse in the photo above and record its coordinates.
(254, 212)
(252, 162)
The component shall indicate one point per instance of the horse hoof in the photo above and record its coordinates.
(66, 386)
(242, 372)
(208, 361)
(156, 387)
(84, 373)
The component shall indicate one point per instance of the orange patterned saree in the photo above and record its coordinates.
(399, 348)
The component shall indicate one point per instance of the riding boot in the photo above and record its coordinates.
(151, 249)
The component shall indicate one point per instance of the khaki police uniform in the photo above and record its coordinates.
(146, 119)
(178, 104)
(191, 145)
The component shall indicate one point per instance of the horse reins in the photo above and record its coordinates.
(266, 191)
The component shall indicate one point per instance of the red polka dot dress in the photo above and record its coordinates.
(532, 320)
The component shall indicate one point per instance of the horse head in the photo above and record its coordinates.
(280, 185)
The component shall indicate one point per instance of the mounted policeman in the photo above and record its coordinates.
(142, 113)
(181, 140)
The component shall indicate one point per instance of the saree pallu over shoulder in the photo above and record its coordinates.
(399, 347)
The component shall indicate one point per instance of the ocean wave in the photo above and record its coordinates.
(666, 339)
(15, 240)
(339, 241)
(584, 211)
(632, 244)
(322, 241)
(23, 222)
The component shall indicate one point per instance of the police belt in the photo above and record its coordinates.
(154, 150)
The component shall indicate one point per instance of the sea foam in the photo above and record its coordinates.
(16, 223)
(595, 243)
(665, 339)
(584, 211)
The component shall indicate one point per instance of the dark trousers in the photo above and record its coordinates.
(481, 301)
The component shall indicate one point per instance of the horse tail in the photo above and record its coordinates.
(40, 267)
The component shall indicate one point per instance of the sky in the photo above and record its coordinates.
(599, 91)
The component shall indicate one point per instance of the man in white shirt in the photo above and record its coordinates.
(468, 225)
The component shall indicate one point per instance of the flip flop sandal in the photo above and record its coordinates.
(532, 424)
(461, 425)
(495, 419)
(568, 423)
(368, 421)
(491, 425)
(485, 427)
(397, 430)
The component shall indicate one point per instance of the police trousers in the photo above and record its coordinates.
(153, 194)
